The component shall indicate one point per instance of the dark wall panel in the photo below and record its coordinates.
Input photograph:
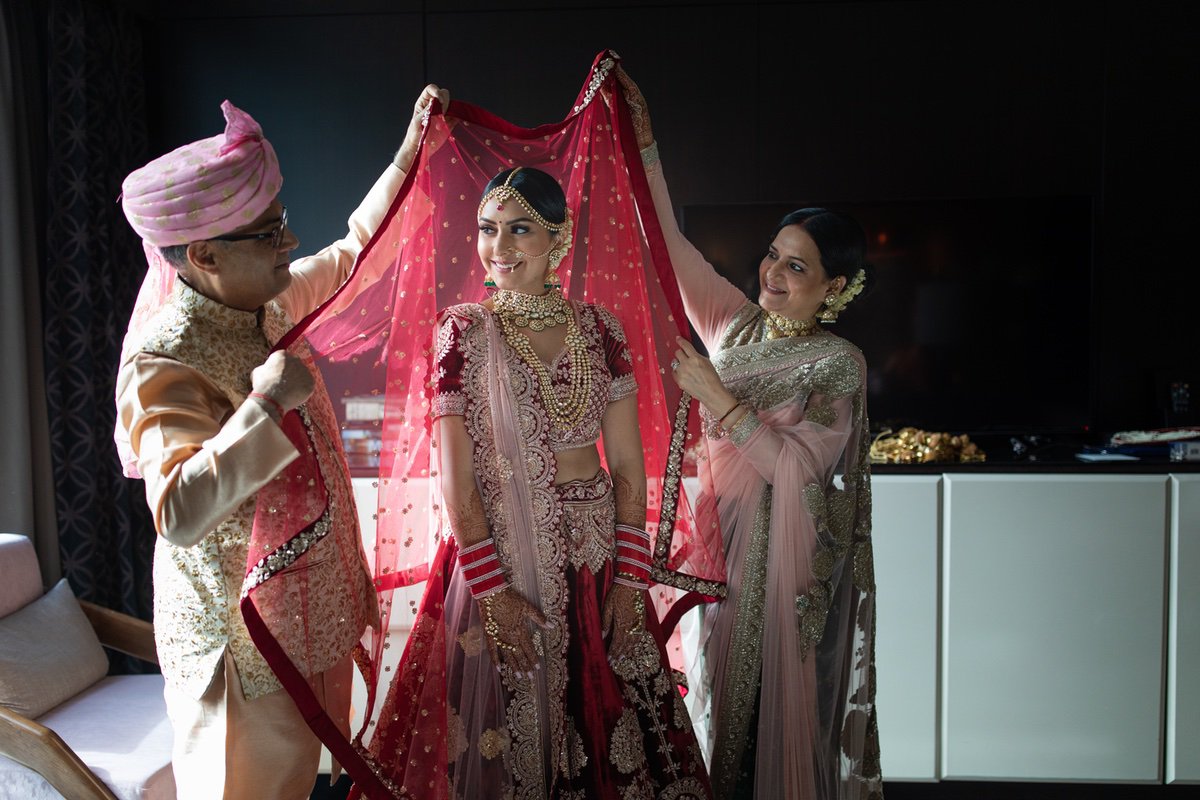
(765, 102)
(333, 93)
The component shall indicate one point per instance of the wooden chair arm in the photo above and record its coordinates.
(39, 748)
(122, 632)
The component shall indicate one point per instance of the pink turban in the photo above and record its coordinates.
(204, 189)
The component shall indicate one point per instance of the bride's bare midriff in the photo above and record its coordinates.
(576, 464)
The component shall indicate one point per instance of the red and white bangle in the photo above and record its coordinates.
(481, 567)
(633, 557)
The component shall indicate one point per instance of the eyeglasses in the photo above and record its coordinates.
(275, 234)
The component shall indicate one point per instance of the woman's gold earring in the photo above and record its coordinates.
(830, 311)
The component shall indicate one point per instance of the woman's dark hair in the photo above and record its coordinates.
(539, 189)
(839, 238)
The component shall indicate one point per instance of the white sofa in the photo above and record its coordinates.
(66, 728)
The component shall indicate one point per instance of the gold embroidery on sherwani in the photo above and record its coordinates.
(225, 345)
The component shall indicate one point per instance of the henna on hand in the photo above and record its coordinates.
(510, 641)
(630, 501)
(639, 113)
(624, 617)
(468, 520)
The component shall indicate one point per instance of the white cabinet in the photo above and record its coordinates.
(1183, 633)
(905, 540)
(1053, 612)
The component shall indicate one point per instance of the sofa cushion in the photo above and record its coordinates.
(48, 653)
(119, 728)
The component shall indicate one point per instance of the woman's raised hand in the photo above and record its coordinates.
(639, 111)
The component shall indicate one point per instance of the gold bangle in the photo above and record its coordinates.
(730, 411)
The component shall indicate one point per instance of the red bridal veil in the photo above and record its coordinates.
(374, 341)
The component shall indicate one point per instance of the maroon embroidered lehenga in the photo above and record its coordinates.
(580, 728)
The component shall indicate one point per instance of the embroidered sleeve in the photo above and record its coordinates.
(448, 396)
(617, 355)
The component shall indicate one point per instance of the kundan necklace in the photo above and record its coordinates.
(535, 311)
(781, 327)
(538, 312)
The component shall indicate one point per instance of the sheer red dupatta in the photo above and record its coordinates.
(375, 339)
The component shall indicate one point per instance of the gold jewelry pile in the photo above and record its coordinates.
(915, 446)
(781, 327)
(538, 312)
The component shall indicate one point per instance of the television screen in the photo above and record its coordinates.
(979, 319)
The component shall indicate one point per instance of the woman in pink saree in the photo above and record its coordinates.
(788, 656)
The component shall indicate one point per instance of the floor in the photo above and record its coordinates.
(950, 790)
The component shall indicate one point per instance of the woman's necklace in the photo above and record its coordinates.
(538, 312)
(534, 311)
(781, 327)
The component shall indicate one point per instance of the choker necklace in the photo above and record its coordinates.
(534, 311)
(780, 327)
(538, 312)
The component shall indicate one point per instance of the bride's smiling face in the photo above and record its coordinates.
(514, 249)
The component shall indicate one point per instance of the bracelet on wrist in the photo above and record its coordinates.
(716, 429)
(634, 557)
(732, 408)
(630, 581)
(482, 569)
(746, 419)
(649, 154)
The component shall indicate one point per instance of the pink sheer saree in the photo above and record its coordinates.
(375, 341)
(788, 657)
(789, 654)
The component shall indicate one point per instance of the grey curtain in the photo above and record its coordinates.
(96, 134)
(26, 486)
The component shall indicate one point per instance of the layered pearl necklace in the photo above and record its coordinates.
(539, 312)
(781, 327)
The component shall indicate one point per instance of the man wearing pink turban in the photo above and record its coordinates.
(200, 401)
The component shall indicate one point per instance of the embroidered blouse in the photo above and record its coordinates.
(609, 360)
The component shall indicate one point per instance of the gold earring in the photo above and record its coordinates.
(830, 312)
